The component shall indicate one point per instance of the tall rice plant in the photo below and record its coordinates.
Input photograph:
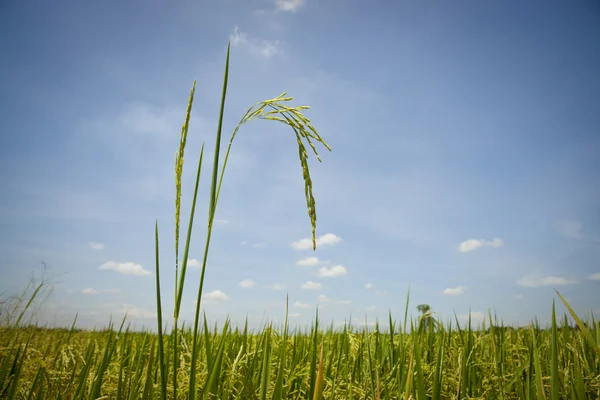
(275, 109)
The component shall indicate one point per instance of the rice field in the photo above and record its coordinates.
(415, 358)
(407, 360)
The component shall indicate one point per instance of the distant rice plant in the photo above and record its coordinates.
(418, 359)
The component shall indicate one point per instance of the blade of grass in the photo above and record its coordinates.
(586, 332)
(161, 351)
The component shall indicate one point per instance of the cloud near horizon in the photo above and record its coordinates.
(333, 272)
(329, 239)
(310, 285)
(127, 268)
(538, 280)
(474, 244)
(308, 262)
(247, 283)
(455, 291)
(216, 296)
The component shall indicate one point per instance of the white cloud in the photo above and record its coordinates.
(265, 48)
(277, 286)
(93, 291)
(455, 291)
(288, 5)
(344, 302)
(369, 286)
(572, 229)
(215, 296)
(308, 262)
(96, 245)
(537, 280)
(335, 271)
(381, 293)
(294, 315)
(193, 263)
(247, 283)
(324, 299)
(300, 305)
(594, 277)
(135, 312)
(328, 239)
(127, 268)
(473, 244)
(311, 285)
(371, 308)
(269, 48)
(238, 38)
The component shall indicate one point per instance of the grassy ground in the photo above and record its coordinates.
(429, 362)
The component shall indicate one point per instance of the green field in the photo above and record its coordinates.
(410, 359)
(430, 362)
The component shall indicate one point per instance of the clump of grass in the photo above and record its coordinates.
(448, 361)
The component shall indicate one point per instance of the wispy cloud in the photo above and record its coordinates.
(310, 285)
(371, 308)
(518, 297)
(594, 277)
(300, 304)
(127, 268)
(454, 291)
(254, 245)
(335, 271)
(92, 291)
(264, 48)
(323, 298)
(473, 244)
(308, 262)
(344, 302)
(216, 296)
(238, 38)
(247, 283)
(572, 229)
(96, 245)
(369, 286)
(537, 280)
(222, 221)
(135, 312)
(276, 286)
(294, 315)
(289, 5)
(381, 293)
(328, 239)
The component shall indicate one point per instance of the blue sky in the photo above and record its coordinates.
(464, 156)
